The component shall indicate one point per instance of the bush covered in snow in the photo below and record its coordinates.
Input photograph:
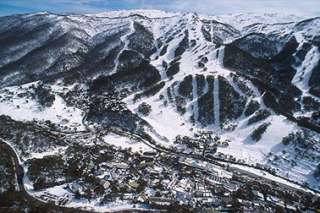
(144, 109)
(257, 133)
(259, 116)
(44, 96)
(299, 138)
(251, 108)
(315, 117)
(286, 140)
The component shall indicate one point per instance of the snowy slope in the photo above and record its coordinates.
(195, 72)
(28, 109)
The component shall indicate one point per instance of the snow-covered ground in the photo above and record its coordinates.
(125, 143)
(166, 121)
(304, 70)
(62, 192)
(41, 155)
(242, 20)
(125, 13)
(243, 147)
(269, 176)
(28, 109)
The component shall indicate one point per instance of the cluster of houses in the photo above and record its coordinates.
(163, 180)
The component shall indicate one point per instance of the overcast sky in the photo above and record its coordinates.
(298, 7)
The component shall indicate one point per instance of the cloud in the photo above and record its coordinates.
(306, 7)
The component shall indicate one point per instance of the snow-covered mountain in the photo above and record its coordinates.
(252, 80)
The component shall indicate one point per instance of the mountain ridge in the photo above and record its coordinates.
(166, 78)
